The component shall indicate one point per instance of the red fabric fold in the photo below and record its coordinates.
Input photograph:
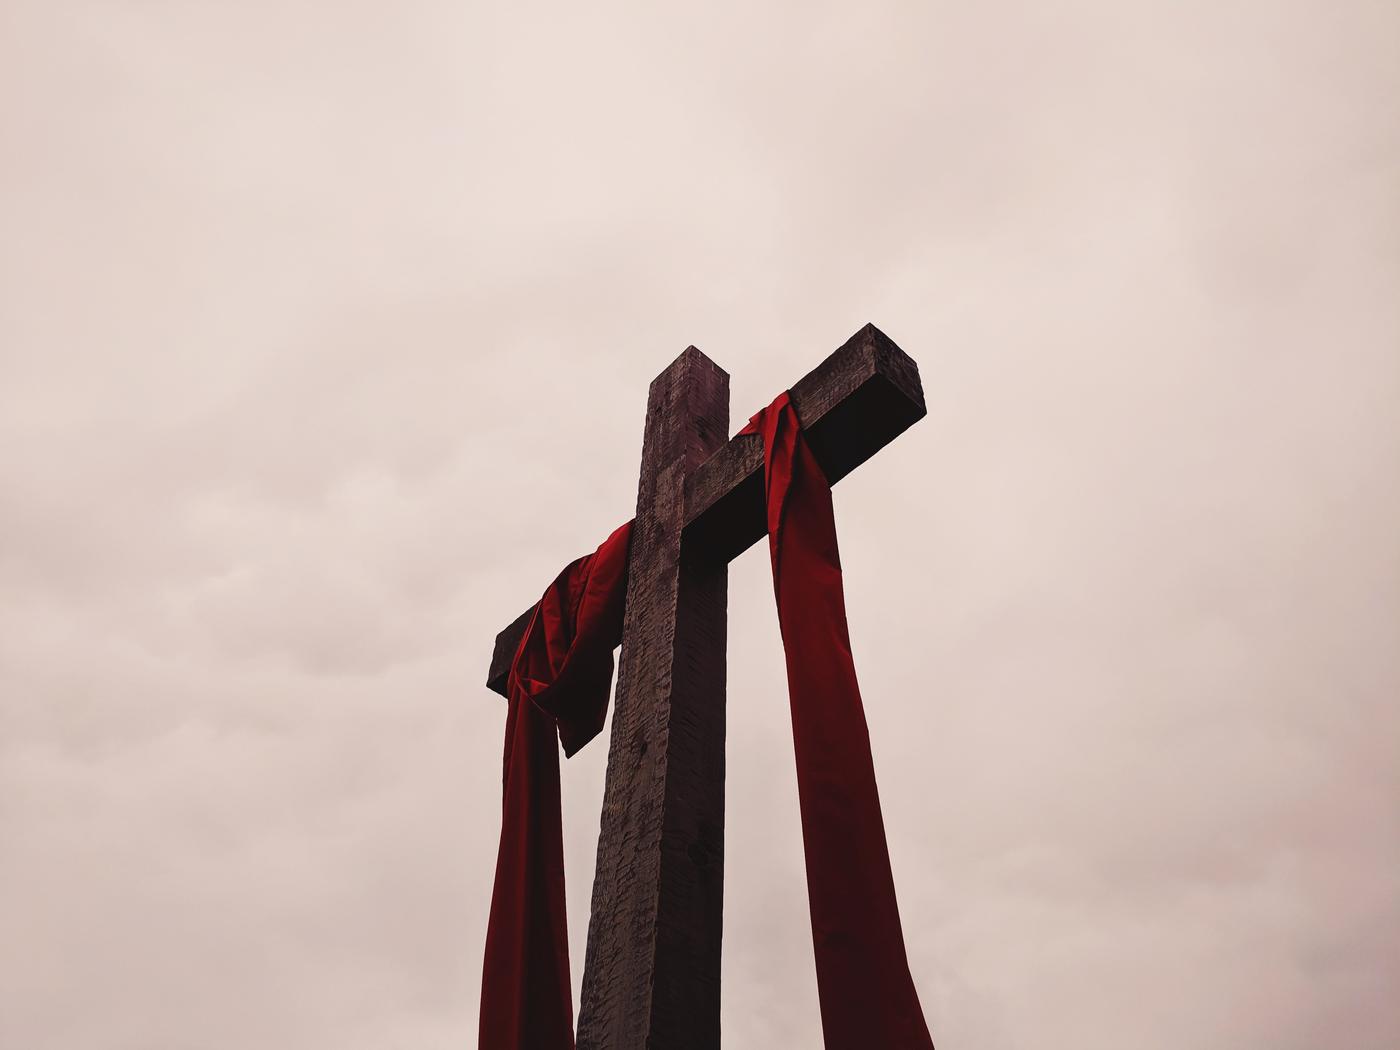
(557, 689)
(867, 994)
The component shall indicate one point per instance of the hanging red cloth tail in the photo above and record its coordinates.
(557, 690)
(867, 995)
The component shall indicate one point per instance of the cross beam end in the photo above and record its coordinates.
(862, 397)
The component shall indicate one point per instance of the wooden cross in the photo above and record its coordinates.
(652, 970)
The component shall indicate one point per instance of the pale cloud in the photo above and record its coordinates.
(324, 342)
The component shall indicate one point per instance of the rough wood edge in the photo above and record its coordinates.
(860, 398)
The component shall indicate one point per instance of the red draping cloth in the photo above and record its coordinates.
(558, 686)
(559, 683)
(866, 992)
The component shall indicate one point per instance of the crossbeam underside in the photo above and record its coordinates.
(862, 397)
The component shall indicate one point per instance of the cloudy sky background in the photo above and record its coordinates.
(324, 341)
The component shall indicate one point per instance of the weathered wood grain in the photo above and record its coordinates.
(652, 969)
(504, 651)
(863, 396)
(651, 974)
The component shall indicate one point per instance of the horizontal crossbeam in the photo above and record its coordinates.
(853, 404)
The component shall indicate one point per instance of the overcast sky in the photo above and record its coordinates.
(324, 342)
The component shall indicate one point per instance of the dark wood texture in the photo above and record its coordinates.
(853, 404)
(504, 651)
(651, 974)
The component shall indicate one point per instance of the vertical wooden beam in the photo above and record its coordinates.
(651, 974)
